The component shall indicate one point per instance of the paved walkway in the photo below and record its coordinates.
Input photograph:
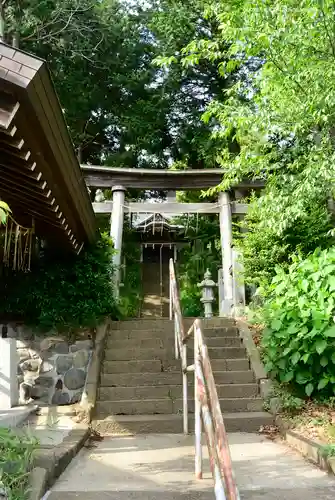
(160, 467)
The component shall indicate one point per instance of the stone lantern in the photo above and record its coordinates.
(99, 196)
(207, 299)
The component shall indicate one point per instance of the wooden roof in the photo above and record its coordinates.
(40, 176)
(141, 178)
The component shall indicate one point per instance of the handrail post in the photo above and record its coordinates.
(210, 436)
(176, 340)
(197, 412)
(171, 301)
(185, 389)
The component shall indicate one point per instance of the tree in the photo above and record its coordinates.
(281, 115)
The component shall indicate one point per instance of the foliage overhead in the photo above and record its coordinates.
(279, 109)
(121, 108)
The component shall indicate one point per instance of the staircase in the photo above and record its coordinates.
(140, 388)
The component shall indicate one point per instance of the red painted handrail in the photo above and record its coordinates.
(207, 404)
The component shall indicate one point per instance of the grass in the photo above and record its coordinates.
(15, 462)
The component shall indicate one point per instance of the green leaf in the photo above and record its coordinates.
(324, 361)
(309, 389)
(330, 332)
(305, 357)
(322, 384)
(302, 377)
(282, 364)
(287, 377)
(304, 285)
(276, 324)
(295, 358)
(320, 345)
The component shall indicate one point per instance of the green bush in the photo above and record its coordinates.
(299, 341)
(62, 292)
(272, 240)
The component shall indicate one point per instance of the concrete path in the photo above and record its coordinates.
(160, 467)
(51, 425)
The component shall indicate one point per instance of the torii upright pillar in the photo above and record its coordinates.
(226, 234)
(116, 231)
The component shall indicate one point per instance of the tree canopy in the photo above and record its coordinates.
(121, 107)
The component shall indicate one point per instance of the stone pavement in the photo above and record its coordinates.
(51, 425)
(161, 467)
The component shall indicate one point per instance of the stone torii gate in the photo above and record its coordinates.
(119, 179)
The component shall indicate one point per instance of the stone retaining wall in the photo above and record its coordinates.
(50, 369)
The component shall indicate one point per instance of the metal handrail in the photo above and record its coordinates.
(207, 403)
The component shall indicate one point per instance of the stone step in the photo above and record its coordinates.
(168, 332)
(168, 354)
(172, 392)
(168, 406)
(167, 342)
(173, 424)
(143, 366)
(305, 493)
(157, 323)
(166, 366)
(171, 378)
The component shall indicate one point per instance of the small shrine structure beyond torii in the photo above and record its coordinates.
(120, 179)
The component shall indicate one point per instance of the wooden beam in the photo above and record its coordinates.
(164, 180)
(169, 208)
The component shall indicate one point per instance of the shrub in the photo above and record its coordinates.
(16, 452)
(63, 292)
(299, 340)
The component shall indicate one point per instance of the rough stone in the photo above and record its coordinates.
(46, 367)
(49, 342)
(81, 344)
(80, 359)
(61, 348)
(60, 398)
(33, 354)
(275, 405)
(64, 363)
(21, 344)
(75, 379)
(39, 392)
(45, 355)
(43, 362)
(76, 397)
(55, 344)
(31, 365)
(24, 354)
(45, 382)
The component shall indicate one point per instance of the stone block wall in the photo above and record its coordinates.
(50, 369)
